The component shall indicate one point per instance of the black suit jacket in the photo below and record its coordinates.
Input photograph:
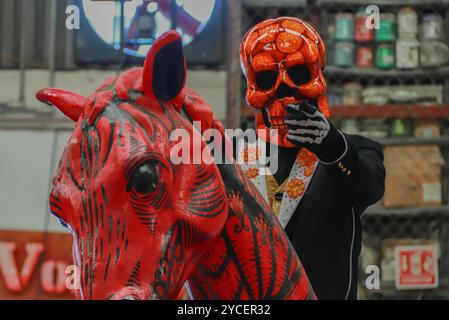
(325, 228)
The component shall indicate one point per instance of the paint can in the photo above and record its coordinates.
(385, 56)
(362, 33)
(387, 28)
(334, 95)
(344, 54)
(400, 128)
(364, 57)
(432, 27)
(434, 53)
(344, 26)
(407, 23)
(350, 126)
(352, 94)
(407, 53)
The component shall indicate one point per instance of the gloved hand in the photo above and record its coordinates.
(309, 128)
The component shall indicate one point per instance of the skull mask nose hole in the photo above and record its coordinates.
(284, 91)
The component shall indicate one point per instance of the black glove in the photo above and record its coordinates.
(309, 128)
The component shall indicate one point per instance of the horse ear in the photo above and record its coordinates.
(69, 103)
(164, 71)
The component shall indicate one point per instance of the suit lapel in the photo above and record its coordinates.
(251, 167)
(297, 183)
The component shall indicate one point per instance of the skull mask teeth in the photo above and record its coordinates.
(282, 60)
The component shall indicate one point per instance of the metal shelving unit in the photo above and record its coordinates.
(411, 222)
(415, 3)
(372, 72)
(406, 111)
(410, 211)
(408, 222)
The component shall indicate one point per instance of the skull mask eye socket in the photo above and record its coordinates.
(299, 74)
(265, 80)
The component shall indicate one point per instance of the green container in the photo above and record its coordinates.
(344, 26)
(385, 56)
(400, 128)
(344, 54)
(387, 28)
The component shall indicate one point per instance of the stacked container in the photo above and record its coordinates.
(364, 36)
(385, 40)
(434, 50)
(407, 45)
(344, 36)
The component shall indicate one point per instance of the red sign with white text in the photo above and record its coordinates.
(33, 265)
(416, 267)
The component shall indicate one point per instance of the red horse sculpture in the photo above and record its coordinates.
(143, 226)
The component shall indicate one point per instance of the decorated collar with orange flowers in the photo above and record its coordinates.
(297, 183)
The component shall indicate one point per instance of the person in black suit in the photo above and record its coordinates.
(325, 227)
(325, 179)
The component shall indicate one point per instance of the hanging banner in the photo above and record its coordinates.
(35, 265)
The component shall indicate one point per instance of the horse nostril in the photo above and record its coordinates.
(284, 91)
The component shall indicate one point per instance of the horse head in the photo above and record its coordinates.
(138, 220)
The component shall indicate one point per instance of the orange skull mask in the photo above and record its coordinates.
(282, 60)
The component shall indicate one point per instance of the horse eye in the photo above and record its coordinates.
(145, 178)
(266, 80)
(299, 74)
